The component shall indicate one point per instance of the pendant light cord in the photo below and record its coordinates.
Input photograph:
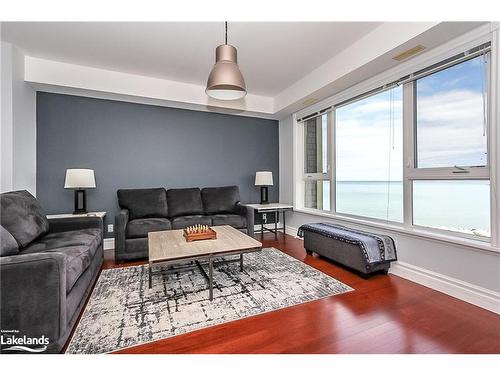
(226, 32)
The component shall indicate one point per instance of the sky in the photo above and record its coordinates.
(450, 126)
(365, 147)
(450, 123)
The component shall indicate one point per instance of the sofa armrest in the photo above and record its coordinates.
(75, 223)
(248, 212)
(121, 220)
(33, 298)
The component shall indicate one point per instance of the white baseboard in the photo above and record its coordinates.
(269, 225)
(109, 244)
(476, 295)
(292, 231)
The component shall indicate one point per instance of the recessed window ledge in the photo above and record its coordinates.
(412, 232)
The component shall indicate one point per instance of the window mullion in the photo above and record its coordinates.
(479, 173)
(408, 151)
(493, 138)
(299, 164)
(332, 158)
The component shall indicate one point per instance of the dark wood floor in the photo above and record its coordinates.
(385, 314)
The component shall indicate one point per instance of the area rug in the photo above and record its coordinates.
(122, 311)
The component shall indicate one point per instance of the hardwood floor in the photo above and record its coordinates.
(385, 314)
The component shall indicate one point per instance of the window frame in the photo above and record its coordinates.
(410, 173)
(413, 173)
(334, 151)
(444, 173)
(308, 177)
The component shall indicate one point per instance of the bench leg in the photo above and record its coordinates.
(365, 276)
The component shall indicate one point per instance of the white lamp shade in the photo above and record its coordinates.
(264, 179)
(79, 179)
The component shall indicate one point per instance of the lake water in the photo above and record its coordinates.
(462, 206)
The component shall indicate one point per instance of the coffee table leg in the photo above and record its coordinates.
(262, 227)
(150, 276)
(276, 217)
(284, 225)
(241, 262)
(210, 279)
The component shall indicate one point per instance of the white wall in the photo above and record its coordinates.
(6, 132)
(464, 272)
(24, 119)
(18, 130)
(286, 159)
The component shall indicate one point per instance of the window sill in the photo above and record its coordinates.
(412, 232)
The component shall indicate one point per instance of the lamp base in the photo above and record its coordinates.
(80, 202)
(264, 195)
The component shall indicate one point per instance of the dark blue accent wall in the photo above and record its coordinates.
(135, 145)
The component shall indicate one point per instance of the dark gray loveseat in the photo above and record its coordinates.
(48, 268)
(149, 210)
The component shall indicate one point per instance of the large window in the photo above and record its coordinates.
(451, 175)
(369, 156)
(415, 151)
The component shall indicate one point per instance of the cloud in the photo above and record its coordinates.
(365, 149)
(450, 129)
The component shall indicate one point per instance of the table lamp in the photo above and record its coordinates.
(264, 179)
(79, 180)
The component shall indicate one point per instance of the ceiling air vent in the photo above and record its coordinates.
(310, 101)
(409, 53)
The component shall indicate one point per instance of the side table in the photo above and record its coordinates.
(277, 208)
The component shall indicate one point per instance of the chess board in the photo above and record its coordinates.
(199, 232)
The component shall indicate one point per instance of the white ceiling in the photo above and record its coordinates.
(271, 55)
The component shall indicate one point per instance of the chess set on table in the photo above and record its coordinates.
(199, 232)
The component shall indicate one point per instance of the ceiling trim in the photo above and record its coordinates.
(54, 75)
(381, 40)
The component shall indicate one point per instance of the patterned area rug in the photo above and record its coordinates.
(123, 311)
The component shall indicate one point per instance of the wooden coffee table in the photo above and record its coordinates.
(171, 248)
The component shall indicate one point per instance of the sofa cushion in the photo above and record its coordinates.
(22, 216)
(139, 228)
(91, 238)
(220, 200)
(144, 202)
(235, 221)
(8, 244)
(184, 202)
(78, 259)
(185, 221)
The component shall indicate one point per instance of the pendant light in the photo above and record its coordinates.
(225, 81)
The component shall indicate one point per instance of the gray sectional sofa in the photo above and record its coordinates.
(48, 268)
(148, 210)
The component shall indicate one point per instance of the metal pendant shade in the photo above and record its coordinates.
(225, 81)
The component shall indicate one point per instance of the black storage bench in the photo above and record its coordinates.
(362, 251)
